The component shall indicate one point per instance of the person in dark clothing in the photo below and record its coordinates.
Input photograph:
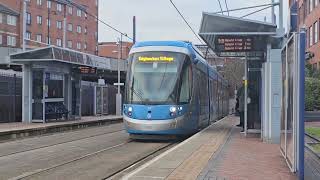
(237, 107)
(240, 95)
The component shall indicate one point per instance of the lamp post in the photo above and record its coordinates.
(119, 96)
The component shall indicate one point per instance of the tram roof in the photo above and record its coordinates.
(184, 44)
(162, 43)
(213, 25)
(64, 55)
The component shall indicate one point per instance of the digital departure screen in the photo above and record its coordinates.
(234, 44)
(87, 70)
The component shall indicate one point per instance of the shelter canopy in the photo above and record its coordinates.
(57, 54)
(215, 25)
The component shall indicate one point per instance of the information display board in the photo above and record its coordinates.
(85, 70)
(239, 46)
(234, 44)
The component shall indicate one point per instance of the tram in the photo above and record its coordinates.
(171, 90)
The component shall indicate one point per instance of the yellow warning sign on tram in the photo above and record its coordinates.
(156, 59)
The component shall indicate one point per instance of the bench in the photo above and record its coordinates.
(56, 111)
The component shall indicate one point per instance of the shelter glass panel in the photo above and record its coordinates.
(37, 95)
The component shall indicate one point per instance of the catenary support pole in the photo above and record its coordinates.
(64, 25)
(24, 25)
(280, 14)
(134, 29)
(272, 13)
(302, 49)
(246, 97)
(119, 97)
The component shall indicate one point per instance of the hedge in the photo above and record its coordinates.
(312, 94)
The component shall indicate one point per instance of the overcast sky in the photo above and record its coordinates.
(158, 20)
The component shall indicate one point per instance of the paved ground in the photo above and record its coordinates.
(247, 159)
(219, 152)
(91, 153)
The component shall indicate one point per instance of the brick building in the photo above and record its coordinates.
(55, 22)
(309, 17)
(110, 49)
(9, 26)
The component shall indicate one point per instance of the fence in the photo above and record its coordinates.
(10, 96)
(103, 98)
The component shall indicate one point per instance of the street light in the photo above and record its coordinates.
(119, 96)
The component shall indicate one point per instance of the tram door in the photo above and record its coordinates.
(37, 95)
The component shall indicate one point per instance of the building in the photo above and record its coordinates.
(309, 17)
(110, 49)
(9, 28)
(69, 24)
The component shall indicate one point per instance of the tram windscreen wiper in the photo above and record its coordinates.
(135, 92)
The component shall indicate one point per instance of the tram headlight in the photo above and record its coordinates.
(173, 111)
(129, 111)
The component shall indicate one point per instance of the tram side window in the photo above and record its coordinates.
(185, 87)
(203, 92)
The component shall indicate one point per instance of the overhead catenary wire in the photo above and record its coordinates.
(225, 1)
(249, 7)
(76, 5)
(220, 6)
(184, 19)
(256, 11)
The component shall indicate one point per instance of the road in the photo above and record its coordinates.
(93, 153)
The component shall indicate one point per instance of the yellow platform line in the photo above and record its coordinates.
(192, 166)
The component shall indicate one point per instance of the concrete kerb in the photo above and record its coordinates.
(128, 176)
(36, 131)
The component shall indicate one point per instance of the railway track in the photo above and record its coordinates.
(60, 143)
(95, 153)
(68, 162)
(111, 167)
(130, 167)
(117, 174)
(311, 140)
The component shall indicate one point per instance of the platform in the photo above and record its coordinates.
(11, 131)
(218, 152)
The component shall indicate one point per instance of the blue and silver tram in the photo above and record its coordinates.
(171, 90)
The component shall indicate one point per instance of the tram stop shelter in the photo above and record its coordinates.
(53, 77)
(258, 44)
(274, 71)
